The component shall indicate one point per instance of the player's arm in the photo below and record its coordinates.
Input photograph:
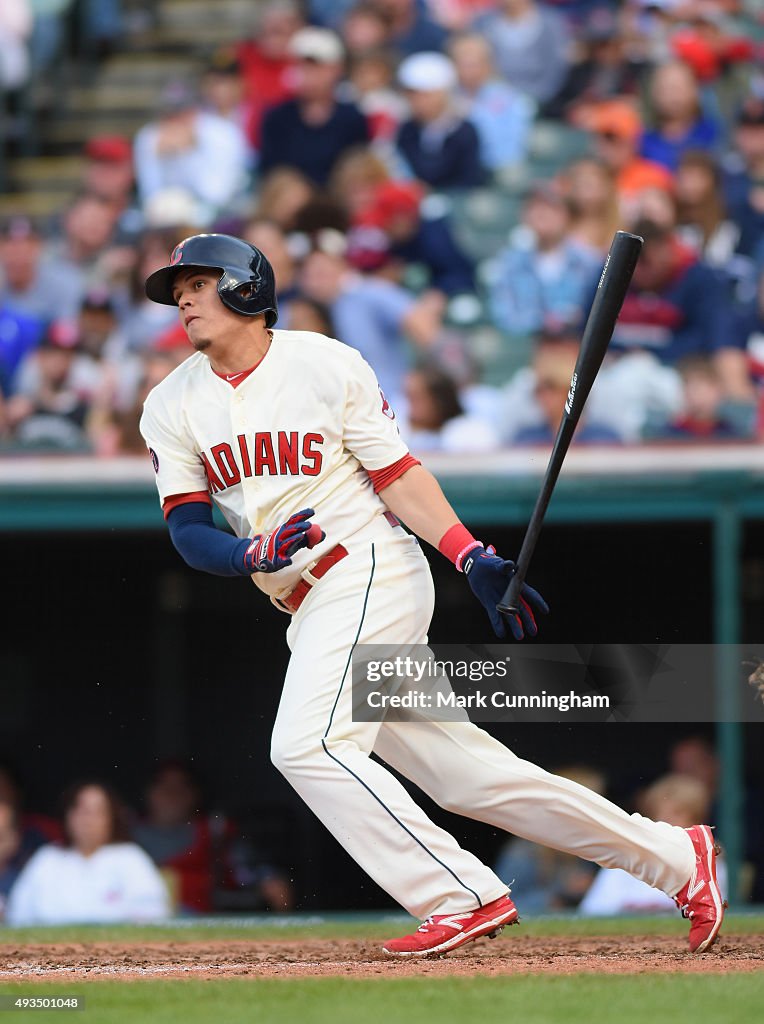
(413, 494)
(202, 546)
(416, 498)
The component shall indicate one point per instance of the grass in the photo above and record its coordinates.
(353, 926)
(583, 999)
(530, 999)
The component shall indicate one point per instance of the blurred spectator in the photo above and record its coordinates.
(142, 320)
(266, 62)
(312, 131)
(501, 114)
(603, 71)
(695, 756)
(676, 799)
(439, 146)
(32, 282)
(36, 829)
(617, 130)
(371, 85)
(365, 29)
(283, 193)
(530, 44)
(412, 30)
(680, 124)
(97, 876)
(550, 880)
(744, 175)
(119, 433)
(703, 416)
(83, 250)
(436, 419)
(10, 851)
(416, 237)
(371, 313)
(19, 335)
(15, 29)
(705, 226)
(553, 367)
(589, 187)
(543, 276)
(222, 94)
(271, 240)
(47, 409)
(108, 171)
(356, 180)
(190, 148)
(307, 315)
(196, 850)
(678, 306)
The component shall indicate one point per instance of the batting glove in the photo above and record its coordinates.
(269, 552)
(488, 575)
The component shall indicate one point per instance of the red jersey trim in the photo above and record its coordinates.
(234, 379)
(173, 500)
(382, 478)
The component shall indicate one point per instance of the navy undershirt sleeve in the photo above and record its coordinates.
(202, 545)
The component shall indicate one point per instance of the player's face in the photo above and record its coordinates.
(205, 318)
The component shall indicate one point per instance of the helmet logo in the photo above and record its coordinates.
(177, 254)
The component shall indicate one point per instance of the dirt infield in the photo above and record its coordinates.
(513, 953)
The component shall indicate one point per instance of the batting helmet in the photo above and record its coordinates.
(246, 284)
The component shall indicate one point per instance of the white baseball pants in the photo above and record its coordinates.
(382, 593)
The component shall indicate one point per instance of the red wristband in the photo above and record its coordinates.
(455, 543)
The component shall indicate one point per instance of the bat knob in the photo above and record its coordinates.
(314, 535)
(506, 609)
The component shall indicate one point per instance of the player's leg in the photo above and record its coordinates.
(468, 771)
(379, 594)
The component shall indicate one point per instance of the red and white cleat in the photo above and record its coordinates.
(701, 899)
(444, 932)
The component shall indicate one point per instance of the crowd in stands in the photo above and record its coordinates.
(99, 861)
(353, 142)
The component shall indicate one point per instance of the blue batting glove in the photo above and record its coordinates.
(269, 552)
(488, 576)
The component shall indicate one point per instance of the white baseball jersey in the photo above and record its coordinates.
(299, 432)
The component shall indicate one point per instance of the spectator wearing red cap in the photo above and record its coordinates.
(313, 130)
(439, 146)
(416, 237)
(109, 168)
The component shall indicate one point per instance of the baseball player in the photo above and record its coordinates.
(283, 430)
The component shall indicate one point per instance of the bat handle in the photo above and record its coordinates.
(510, 603)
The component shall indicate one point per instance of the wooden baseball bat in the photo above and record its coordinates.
(611, 291)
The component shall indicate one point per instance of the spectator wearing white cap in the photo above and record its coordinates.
(530, 44)
(439, 146)
(311, 131)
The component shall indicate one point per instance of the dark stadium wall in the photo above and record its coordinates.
(114, 656)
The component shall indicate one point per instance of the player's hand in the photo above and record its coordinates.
(488, 575)
(269, 552)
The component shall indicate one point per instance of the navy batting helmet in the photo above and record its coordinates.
(246, 284)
